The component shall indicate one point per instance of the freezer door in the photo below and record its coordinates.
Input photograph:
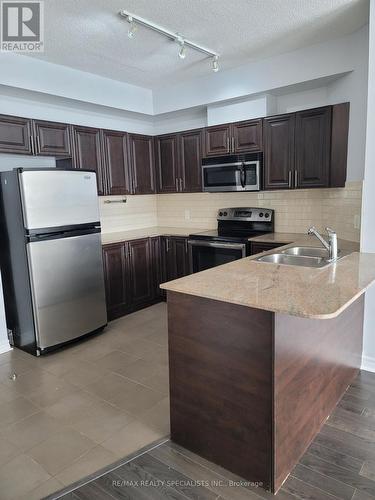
(67, 288)
(55, 198)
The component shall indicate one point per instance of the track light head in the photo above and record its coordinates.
(132, 27)
(181, 43)
(182, 51)
(215, 64)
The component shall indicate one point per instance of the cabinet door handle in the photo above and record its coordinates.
(233, 144)
(167, 244)
(290, 179)
(228, 144)
(296, 178)
(37, 144)
(32, 145)
(181, 184)
(176, 184)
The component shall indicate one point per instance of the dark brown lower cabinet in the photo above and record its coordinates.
(132, 275)
(141, 285)
(175, 257)
(115, 272)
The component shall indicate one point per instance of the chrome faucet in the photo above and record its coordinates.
(331, 245)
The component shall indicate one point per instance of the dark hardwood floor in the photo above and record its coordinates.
(339, 464)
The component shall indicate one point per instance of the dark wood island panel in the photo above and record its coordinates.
(249, 388)
(315, 360)
(220, 380)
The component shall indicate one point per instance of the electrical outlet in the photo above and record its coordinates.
(187, 215)
(357, 221)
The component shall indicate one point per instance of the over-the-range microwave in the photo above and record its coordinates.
(241, 172)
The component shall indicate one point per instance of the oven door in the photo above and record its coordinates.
(238, 176)
(207, 254)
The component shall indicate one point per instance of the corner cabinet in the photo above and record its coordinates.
(131, 273)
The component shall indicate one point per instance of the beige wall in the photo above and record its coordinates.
(296, 210)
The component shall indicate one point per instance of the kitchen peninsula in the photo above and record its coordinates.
(259, 356)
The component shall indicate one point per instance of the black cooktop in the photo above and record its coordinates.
(216, 235)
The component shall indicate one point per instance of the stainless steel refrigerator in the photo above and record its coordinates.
(51, 257)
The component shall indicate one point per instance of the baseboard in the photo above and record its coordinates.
(5, 347)
(368, 364)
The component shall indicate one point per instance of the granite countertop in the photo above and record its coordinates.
(299, 291)
(148, 232)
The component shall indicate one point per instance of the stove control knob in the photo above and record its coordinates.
(266, 215)
(220, 214)
(225, 214)
(261, 214)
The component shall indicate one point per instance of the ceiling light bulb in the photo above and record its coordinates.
(182, 51)
(215, 64)
(132, 27)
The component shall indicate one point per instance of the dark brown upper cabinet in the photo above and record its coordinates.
(312, 148)
(141, 273)
(279, 151)
(15, 135)
(339, 144)
(117, 172)
(247, 136)
(218, 140)
(166, 147)
(52, 139)
(141, 157)
(178, 161)
(87, 153)
(239, 137)
(190, 160)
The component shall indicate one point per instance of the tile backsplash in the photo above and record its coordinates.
(296, 210)
(136, 213)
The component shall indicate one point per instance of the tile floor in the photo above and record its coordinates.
(77, 410)
(338, 465)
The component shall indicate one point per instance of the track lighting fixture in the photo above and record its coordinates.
(215, 64)
(176, 37)
(182, 50)
(132, 27)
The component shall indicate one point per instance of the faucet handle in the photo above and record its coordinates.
(311, 230)
(330, 231)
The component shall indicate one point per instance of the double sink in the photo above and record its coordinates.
(300, 256)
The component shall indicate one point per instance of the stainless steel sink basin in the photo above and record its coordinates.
(293, 260)
(307, 252)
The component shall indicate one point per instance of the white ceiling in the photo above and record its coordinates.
(89, 35)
